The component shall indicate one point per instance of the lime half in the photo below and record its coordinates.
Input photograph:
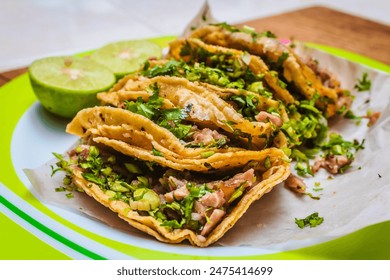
(65, 85)
(126, 57)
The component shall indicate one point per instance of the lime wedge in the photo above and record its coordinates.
(126, 57)
(65, 85)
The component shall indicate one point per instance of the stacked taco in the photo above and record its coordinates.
(181, 149)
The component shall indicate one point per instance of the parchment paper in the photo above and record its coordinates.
(348, 202)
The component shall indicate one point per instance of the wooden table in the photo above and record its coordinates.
(319, 25)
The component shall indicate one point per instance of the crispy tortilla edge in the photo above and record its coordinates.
(152, 227)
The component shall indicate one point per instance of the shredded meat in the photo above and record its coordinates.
(169, 197)
(327, 78)
(175, 183)
(178, 194)
(344, 101)
(229, 186)
(207, 136)
(214, 199)
(215, 185)
(83, 154)
(372, 118)
(214, 219)
(332, 164)
(196, 216)
(295, 183)
(200, 208)
(317, 165)
(263, 116)
(238, 179)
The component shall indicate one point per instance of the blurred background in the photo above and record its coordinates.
(30, 29)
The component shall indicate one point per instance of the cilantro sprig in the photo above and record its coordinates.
(171, 119)
(150, 108)
(247, 105)
(364, 83)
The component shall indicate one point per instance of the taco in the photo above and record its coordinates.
(135, 135)
(280, 58)
(247, 94)
(201, 106)
(194, 50)
(175, 205)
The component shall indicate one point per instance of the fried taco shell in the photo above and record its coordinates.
(205, 107)
(294, 70)
(175, 206)
(254, 63)
(136, 130)
(177, 69)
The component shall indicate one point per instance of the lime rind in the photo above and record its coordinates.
(125, 57)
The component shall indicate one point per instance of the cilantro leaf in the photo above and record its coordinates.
(172, 224)
(171, 119)
(167, 69)
(364, 83)
(281, 59)
(247, 105)
(157, 153)
(312, 220)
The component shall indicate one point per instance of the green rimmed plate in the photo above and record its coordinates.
(61, 233)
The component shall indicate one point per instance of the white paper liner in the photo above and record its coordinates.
(348, 202)
(202, 18)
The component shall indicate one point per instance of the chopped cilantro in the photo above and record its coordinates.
(184, 208)
(62, 165)
(238, 192)
(172, 224)
(246, 29)
(247, 105)
(207, 154)
(69, 195)
(224, 69)
(132, 168)
(364, 83)
(267, 163)
(149, 108)
(306, 125)
(281, 59)
(170, 119)
(227, 26)
(267, 34)
(229, 124)
(303, 166)
(351, 115)
(157, 153)
(60, 189)
(94, 178)
(312, 220)
(336, 145)
(312, 196)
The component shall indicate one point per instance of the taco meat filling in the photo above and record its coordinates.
(176, 199)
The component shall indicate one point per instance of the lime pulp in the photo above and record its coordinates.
(126, 57)
(65, 85)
